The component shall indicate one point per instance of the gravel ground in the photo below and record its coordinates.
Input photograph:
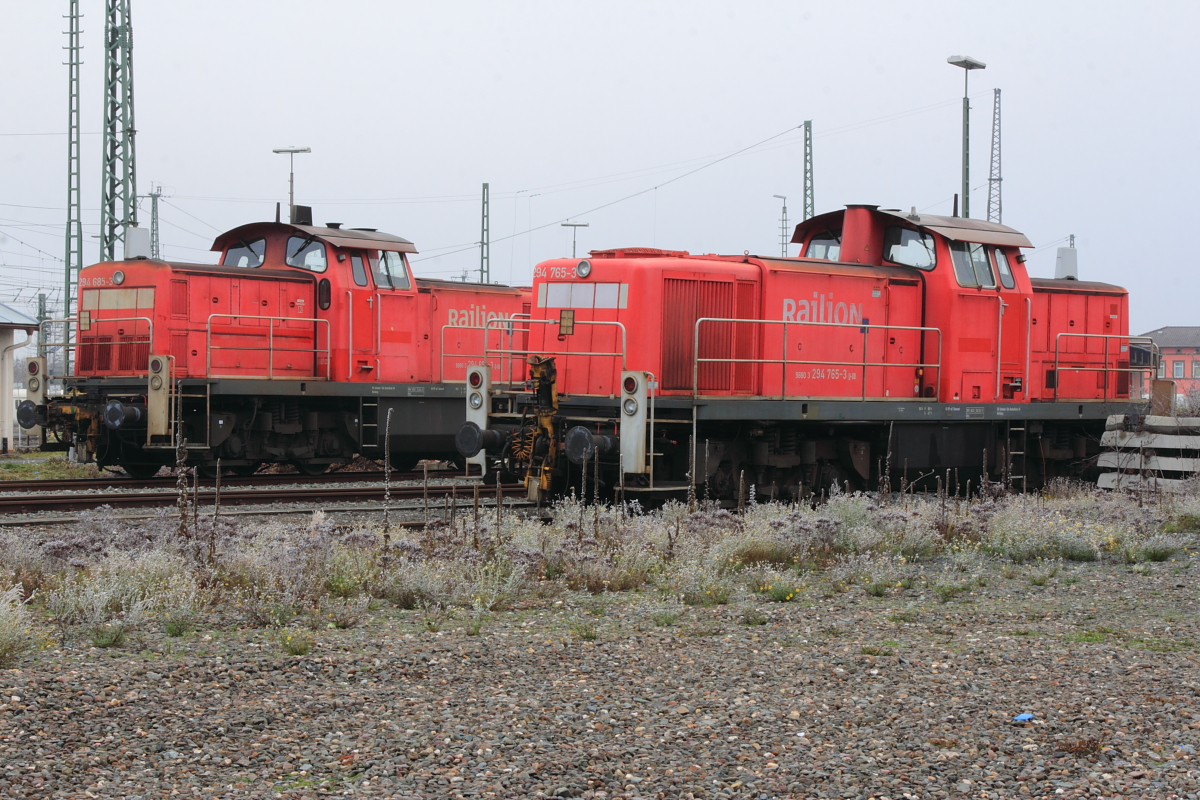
(842, 697)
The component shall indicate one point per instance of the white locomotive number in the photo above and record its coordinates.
(828, 374)
(553, 272)
(86, 282)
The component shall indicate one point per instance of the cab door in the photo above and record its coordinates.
(361, 303)
(396, 317)
(1013, 330)
(980, 323)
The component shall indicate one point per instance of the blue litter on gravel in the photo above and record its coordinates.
(1022, 717)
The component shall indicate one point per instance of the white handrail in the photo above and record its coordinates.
(785, 361)
(271, 349)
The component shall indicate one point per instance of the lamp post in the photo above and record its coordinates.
(291, 154)
(574, 226)
(967, 63)
(783, 237)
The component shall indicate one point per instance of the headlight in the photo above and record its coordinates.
(630, 406)
(583, 269)
(156, 383)
(118, 277)
(475, 400)
(34, 384)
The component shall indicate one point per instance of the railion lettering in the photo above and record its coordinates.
(822, 308)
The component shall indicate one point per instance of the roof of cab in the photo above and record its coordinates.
(959, 229)
(364, 238)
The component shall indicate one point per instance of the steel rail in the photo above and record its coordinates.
(116, 481)
(34, 503)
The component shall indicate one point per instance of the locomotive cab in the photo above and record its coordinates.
(363, 291)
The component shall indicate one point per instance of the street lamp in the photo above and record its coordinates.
(291, 154)
(968, 64)
(574, 226)
(783, 237)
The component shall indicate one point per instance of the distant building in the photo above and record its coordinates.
(1180, 348)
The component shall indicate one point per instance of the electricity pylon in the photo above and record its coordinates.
(485, 246)
(118, 203)
(809, 204)
(73, 246)
(995, 207)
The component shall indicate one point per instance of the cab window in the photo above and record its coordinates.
(910, 248)
(307, 253)
(827, 245)
(971, 265)
(390, 270)
(359, 269)
(245, 253)
(1005, 269)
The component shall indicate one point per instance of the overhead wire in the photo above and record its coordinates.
(611, 203)
(193, 216)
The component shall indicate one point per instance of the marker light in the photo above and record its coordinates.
(630, 384)
(475, 380)
(630, 406)
(33, 368)
(475, 400)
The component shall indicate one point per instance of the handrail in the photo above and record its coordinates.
(999, 342)
(271, 349)
(785, 361)
(1140, 341)
(443, 355)
(511, 353)
(67, 345)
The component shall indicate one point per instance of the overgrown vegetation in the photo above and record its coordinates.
(106, 582)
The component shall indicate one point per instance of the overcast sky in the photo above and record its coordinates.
(565, 107)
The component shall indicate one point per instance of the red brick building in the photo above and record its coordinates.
(1180, 348)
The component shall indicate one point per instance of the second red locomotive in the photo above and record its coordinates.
(897, 341)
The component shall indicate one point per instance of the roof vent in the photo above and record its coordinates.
(1066, 266)
(368, 230)
(301, 215)
(137, 242)
(334, 225)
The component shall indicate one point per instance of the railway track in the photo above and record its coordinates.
(31, 503)
(118, 482)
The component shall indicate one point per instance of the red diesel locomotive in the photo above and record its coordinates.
(912, 342)
(292, 349)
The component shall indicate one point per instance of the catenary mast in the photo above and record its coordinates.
(73, 247)
(118, 204)
(995, 207)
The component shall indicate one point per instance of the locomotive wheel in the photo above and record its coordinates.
(404, 463)
(141, 472)
(306, 468)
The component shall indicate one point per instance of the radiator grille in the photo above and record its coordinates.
(684, 302)
(103, 353)
(179, 298)
(87, 353)
(134, 353)
(179, 349)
